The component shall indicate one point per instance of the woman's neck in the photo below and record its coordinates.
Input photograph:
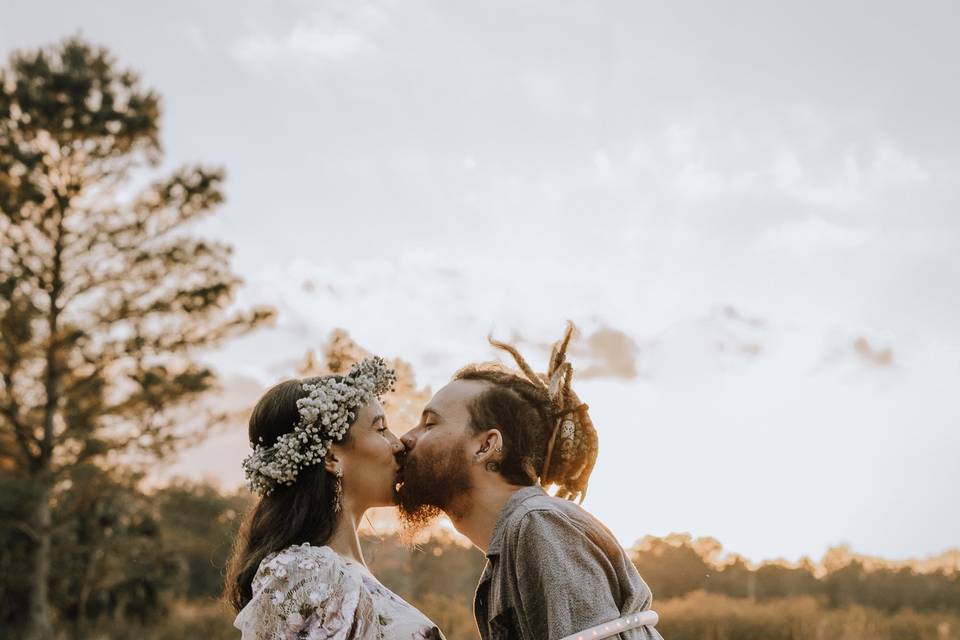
(345, 539)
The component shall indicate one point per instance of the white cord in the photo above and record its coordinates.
(614, 627)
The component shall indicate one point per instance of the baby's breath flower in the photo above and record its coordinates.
(326, 413)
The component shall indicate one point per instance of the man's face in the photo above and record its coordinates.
(436, 467)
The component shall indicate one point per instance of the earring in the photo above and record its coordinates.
(338, 491)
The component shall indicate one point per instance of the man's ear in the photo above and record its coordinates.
(488, 446)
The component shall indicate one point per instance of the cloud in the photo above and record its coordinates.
(811, 235)
(853, 177)
(704, 161)
(610, 353)
(878, 357)
(723, 396)
(333, 32)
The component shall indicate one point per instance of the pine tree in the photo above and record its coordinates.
(105, 298)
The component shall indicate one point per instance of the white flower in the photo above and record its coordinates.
(277, 597)
(330, 403)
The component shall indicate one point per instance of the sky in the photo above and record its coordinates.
(749, 209)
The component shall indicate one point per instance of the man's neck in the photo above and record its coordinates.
(481, 511)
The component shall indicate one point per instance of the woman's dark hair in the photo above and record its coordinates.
(294, 514)
(548, 436)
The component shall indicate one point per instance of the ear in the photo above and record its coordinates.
(488, 446)
(331, 462)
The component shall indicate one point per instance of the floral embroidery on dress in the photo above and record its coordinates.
(311, 593)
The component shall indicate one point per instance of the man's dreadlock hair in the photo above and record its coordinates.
(548, 437)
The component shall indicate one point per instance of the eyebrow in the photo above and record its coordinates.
(379, 416)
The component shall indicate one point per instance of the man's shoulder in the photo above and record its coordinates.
(540, 511)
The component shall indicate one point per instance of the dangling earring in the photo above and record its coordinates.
(338, 491)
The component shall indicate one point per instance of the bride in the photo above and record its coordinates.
(322, 455)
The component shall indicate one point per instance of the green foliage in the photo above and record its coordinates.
(199, 526)
(671, 566)
(892, 589)
(678, 565)
(16, 496)
(104, 296)
(108, 554)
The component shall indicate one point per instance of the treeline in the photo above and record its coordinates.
(677, 565)
(125, 558)
(118, 553)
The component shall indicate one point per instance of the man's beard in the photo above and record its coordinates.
(432, 486)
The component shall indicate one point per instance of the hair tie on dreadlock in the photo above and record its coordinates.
(560, 414)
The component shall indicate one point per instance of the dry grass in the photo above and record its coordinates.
(698, 616)
(702, 616)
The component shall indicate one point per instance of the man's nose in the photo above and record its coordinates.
(409, 440)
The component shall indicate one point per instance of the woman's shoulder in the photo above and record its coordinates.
(306, 590)
(312, 555)
(306, 561)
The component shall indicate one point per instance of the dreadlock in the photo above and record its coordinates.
(548, 435)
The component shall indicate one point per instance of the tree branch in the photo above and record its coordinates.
(12, 412)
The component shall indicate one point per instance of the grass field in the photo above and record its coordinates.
(698, 616)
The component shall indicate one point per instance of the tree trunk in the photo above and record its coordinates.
(85, 589)
(39, 623)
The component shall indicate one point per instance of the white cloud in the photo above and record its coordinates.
(729, 409)
(332, 32)
(702, 162)
(810, 235)
(850, 178)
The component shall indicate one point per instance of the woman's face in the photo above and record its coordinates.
(368, 459)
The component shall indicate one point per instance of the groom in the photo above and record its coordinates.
(484, 445)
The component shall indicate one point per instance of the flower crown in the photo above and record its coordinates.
(326, 412)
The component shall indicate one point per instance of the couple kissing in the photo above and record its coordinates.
(488, 447)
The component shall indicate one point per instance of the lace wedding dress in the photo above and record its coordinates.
(312, 593)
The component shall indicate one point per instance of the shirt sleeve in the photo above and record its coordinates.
(564, 578)
(305, 592)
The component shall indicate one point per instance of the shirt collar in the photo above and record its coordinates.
(520, 496)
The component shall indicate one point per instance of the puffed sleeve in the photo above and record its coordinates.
(307, 593)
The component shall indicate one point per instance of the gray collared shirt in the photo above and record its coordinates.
(554, 570)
